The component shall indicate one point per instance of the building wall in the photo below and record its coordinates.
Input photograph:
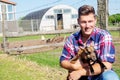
(9, 11)
(50, 20)
(47, 21)
(9, 15)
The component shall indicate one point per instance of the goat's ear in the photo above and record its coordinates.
(92, 48)
(80, 51)
(81, 47)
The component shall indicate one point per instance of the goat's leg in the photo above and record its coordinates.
(102, 65)
(91, 68)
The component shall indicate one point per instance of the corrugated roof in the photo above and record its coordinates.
(8, 2)
(36, 15)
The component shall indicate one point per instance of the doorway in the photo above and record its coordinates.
(59, 25)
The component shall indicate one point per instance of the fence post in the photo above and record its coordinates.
(3, 27)
(32, 25)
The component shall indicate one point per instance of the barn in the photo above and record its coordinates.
(58, 17)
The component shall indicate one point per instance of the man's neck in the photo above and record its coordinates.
(85, 38)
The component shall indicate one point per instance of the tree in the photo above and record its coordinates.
(114, 19)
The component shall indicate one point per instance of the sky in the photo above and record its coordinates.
(23, 7)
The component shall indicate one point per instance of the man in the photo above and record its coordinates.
(88, 34)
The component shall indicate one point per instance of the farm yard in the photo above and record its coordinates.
(41, 63)
(31, 44)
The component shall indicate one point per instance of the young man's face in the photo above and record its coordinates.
(87, 23)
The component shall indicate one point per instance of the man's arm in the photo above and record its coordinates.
(97, 69)
(78, 69)
(70, 66)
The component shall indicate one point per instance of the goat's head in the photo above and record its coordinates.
(88, 53)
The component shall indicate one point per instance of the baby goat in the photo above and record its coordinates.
(88, 55)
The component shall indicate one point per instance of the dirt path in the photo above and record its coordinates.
(35, 43)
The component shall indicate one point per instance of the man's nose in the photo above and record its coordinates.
(87, 24)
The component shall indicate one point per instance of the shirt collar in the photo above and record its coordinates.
(78, 36)
(92, 36)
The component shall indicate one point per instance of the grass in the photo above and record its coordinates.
(25, 68)
(51, 58)
(115, 33)
(23, 38)
(38, 66)
(34, 37)
(14, 69)
(47, 58)
(116, 65)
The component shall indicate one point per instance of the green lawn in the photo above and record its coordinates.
(115, 34)
(23, 38)
(34, 37)
(39, 66)
(15, 69)
(47, 58)
(51, 58)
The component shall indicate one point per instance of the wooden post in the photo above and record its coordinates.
(3, 26)
(102, 13)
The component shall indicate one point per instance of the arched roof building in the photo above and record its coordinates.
(54, 18)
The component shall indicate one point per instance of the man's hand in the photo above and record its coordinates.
(77, 65)
(71, 67)
(74, 75)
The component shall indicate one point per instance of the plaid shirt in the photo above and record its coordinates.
(102, 43)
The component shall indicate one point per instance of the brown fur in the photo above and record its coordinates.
(88, 55)
(84, 54)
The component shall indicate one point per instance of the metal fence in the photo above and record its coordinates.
(29, 25)
(19, 27)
